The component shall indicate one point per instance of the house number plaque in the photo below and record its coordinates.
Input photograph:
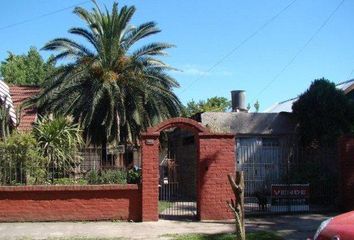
(149, 141)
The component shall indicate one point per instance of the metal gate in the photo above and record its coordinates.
(284, 178)
(176, 202)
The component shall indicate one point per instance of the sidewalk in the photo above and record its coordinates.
(291, 227)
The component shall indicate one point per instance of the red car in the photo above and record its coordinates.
(340, 227)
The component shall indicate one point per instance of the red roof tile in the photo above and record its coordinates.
(19, 94)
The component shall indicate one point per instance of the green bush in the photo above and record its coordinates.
(134, 176)
(93, 177)
(107, 177)
(323, 182)
(114, 176)
(58, 139)
(20, 161)
(70, 181)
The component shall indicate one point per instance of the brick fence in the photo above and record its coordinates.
(346, 158)
(70, 203)
(215, 160)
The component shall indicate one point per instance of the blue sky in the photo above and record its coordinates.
(204, 31)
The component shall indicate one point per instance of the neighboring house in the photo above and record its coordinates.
(263, 141)
(6, 99)
(27, 116)
(13, 96)
(286, 106)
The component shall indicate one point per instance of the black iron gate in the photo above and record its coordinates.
(176, 201)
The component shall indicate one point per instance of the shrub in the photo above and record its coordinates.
(323, 181)
(69, 181)
(107, 177)
(134, 176)
(323, 113)
(20, 161)
(58, 140)
(114, 176)
(93, 177)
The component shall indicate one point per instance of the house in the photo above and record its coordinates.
(27, 116)
(286, 106)
(268, 154)
(13, 96)
(262, 140)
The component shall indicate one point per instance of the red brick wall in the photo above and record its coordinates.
(346, 158)
(70, 203)
(217, 160)
(150, 177)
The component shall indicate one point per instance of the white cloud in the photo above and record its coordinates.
(192, 70)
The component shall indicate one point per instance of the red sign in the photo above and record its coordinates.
(290, 197)
(290, 191)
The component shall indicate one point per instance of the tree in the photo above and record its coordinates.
(214, 104)
(26, 69)
(256, 106)
(111, 88)
(323, 113)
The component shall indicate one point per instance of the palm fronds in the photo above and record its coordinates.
(112, 89)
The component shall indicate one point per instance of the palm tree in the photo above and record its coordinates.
(112, 89)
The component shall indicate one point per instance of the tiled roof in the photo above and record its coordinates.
(27, 116)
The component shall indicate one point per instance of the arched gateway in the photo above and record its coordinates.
(181, 153)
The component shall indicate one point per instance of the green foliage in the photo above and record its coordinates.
(113, 177)
(93, 177)
(134, 176)
(58, 140)
(256, 106)
(70, 181)
(323, 113)
(214, 104)
(112, 88)
(50, 155)
(248, 106)
(26, 69)
(110, 176)
(322, 180)
(20, 160)
(5, 121)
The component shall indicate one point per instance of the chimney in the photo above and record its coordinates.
(238, 99)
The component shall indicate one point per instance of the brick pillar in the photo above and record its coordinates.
(346, 168)
(150, 176)
(216, 161)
